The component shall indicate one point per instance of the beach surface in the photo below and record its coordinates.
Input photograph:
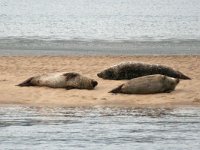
(15, 69)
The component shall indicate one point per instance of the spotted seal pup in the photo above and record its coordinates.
(68, 81)
(148, 85)
(130, 70)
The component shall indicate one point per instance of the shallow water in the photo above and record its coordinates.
(99, 128)
(99, 27)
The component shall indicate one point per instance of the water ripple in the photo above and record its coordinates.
(99, 127)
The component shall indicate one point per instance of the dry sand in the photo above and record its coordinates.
(16, 69)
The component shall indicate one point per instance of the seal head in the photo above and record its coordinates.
(106, 74)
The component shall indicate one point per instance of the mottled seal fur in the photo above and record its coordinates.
(61, 80)
(148, 85)
(130, 70)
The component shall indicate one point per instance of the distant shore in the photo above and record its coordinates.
(15, 69)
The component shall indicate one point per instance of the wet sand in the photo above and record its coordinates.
(15, 69)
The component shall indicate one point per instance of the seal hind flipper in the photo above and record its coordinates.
(182, 76)
(26, 82)
(70, 75)
(116, 90)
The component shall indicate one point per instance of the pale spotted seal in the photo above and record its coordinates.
(61, 80)
(130, 70)
(148, 85)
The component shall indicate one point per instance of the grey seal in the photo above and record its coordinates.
(130, 70)
(68, 81)
(147, 85)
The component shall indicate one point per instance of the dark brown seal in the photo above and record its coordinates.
(61, 80)
(148, 85)
(130, 70)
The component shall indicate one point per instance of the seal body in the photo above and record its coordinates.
(148, 85)
(130, 70)
(61, 80)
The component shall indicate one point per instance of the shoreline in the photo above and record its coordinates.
(84, 46)
(15, 69)
(99, 55)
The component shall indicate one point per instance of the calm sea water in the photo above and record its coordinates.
(99, 128)
(99, 27)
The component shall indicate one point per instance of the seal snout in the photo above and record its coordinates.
(94, 83)
(99, 75)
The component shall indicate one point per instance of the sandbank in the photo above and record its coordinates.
(15, 69)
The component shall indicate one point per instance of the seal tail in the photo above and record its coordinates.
(26, 82)
(116, 90)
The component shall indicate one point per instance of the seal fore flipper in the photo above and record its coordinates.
(69, 88)
(70, 75)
